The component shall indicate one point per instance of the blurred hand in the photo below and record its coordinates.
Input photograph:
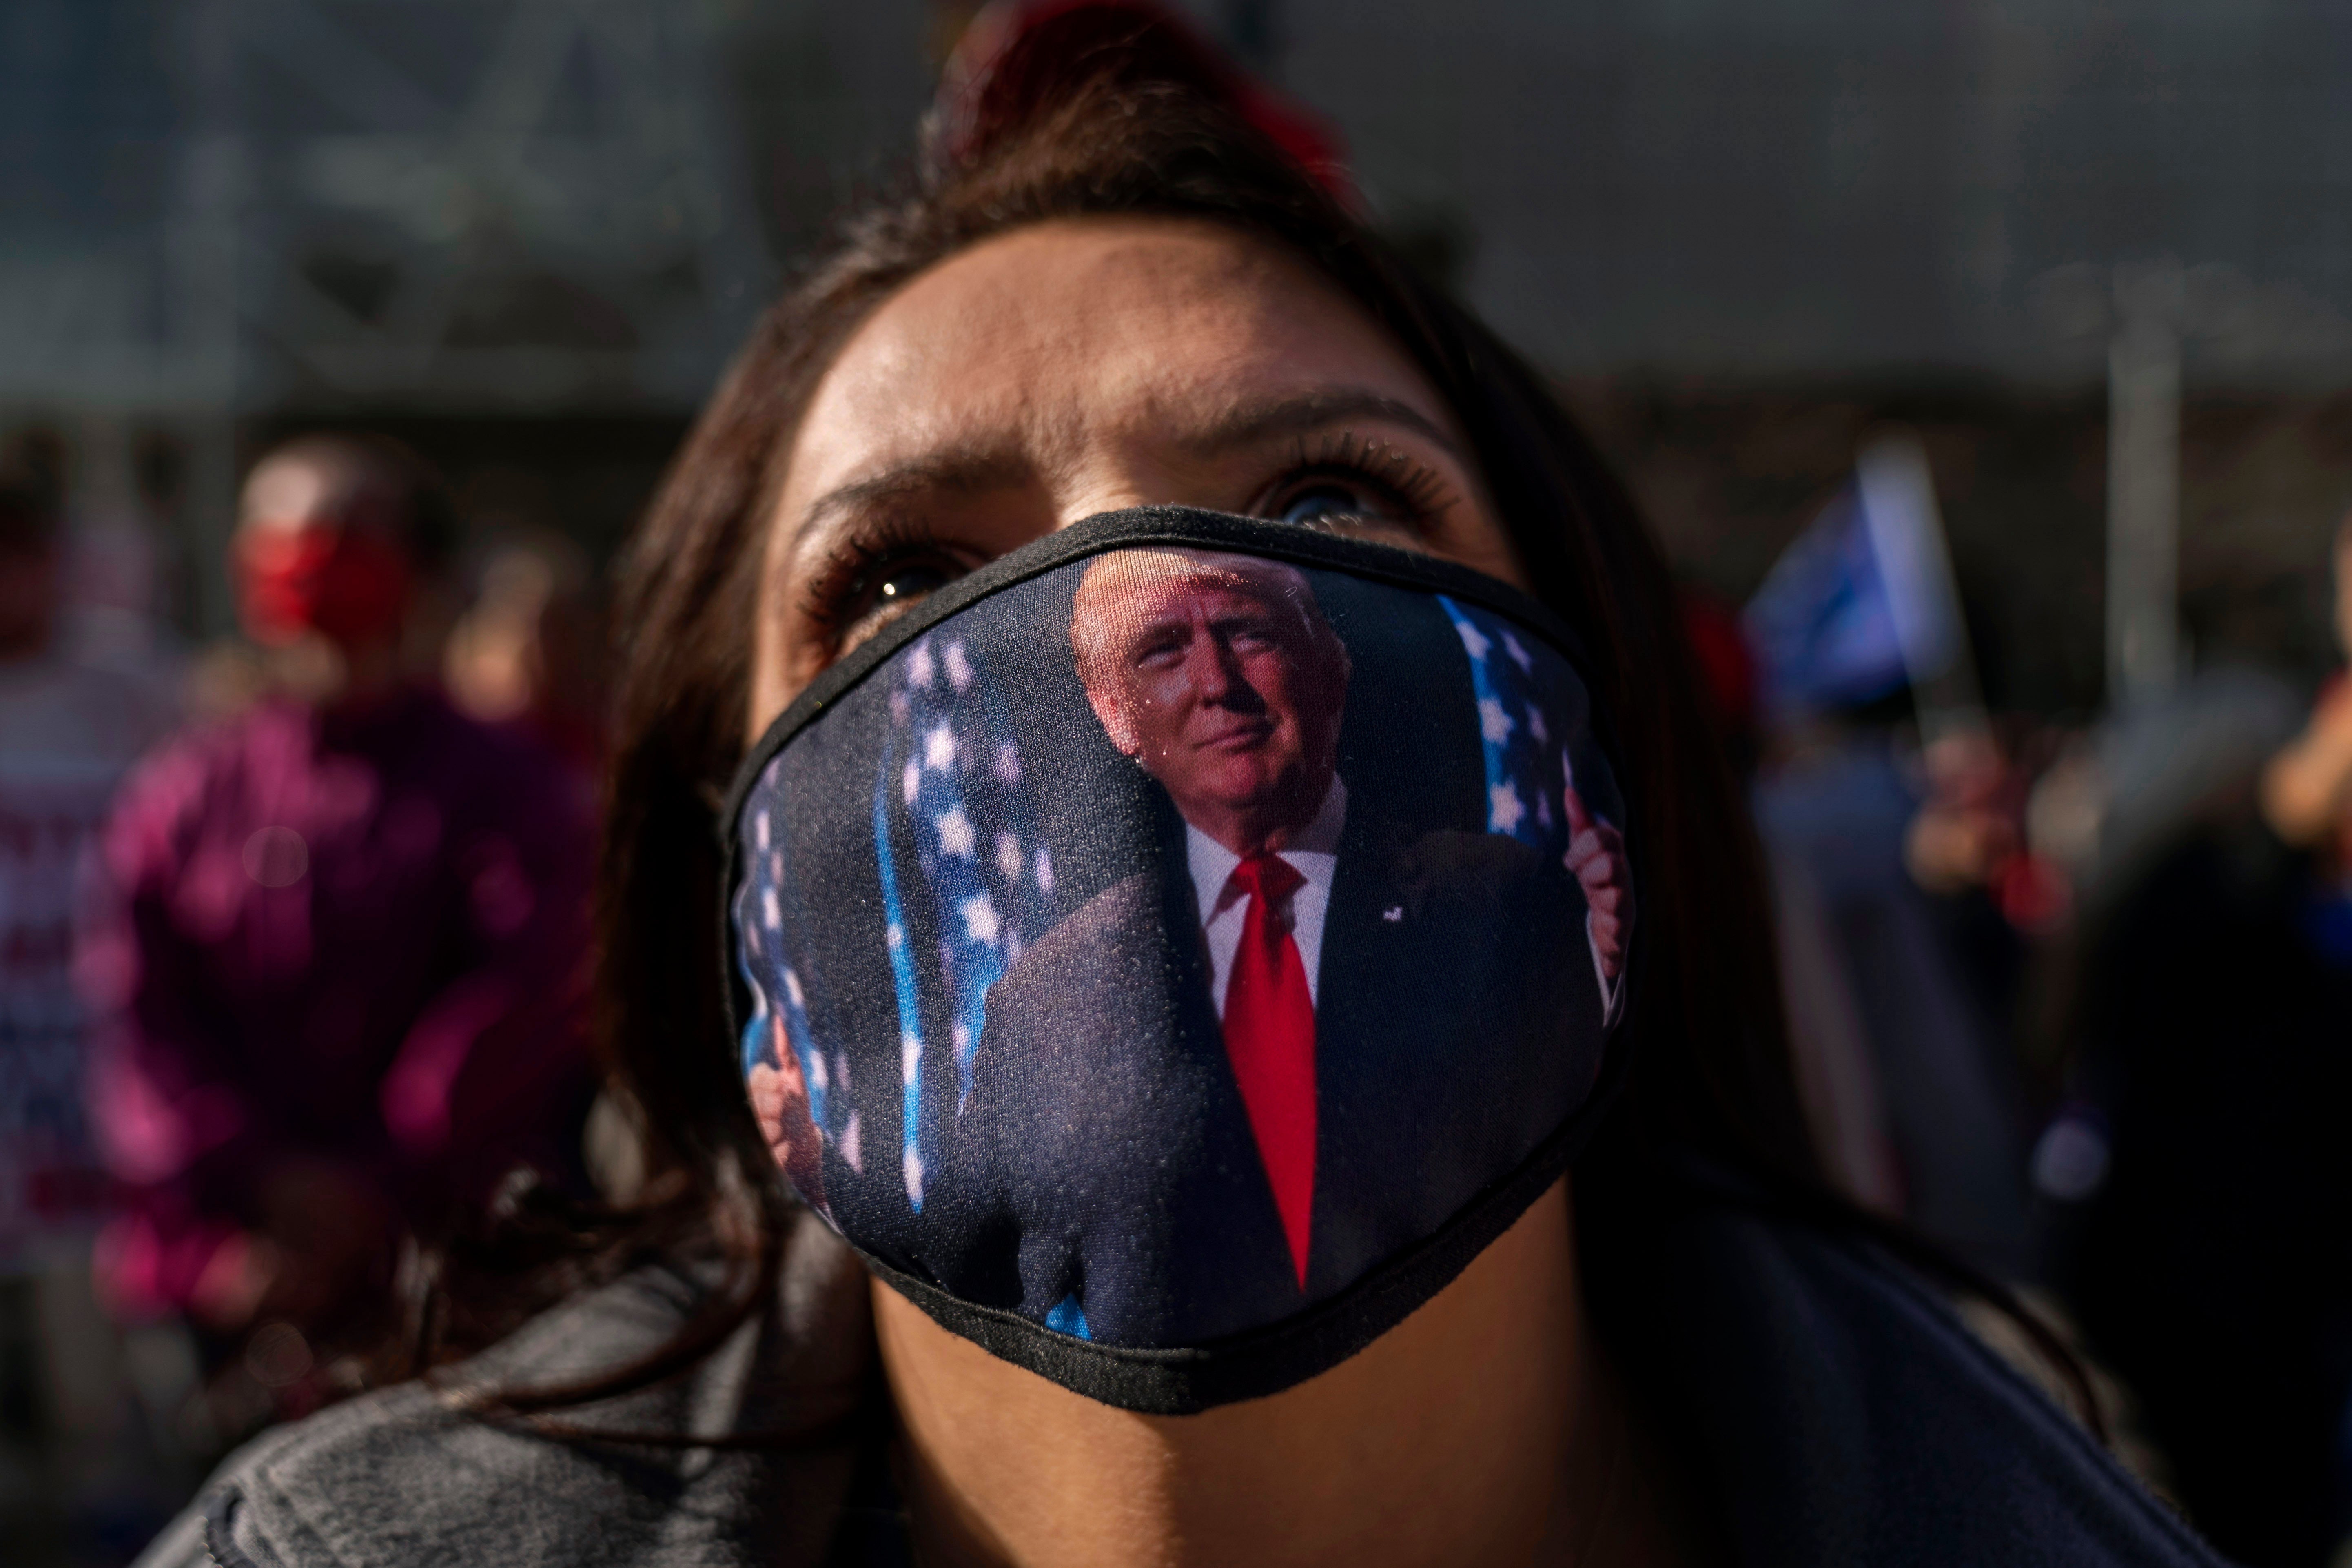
(1949, 848)
(328, 1234)
(228, 1290)
(1969, 827)
(1596, 857)
(2305, 787)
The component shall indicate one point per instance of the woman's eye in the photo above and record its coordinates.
(1318, 501)
(906, 581)
(1346, 483)
(883, 592)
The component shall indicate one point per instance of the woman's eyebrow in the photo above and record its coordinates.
(1252, 422)
(958, 472)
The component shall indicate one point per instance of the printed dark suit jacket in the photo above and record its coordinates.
(1105, 1130)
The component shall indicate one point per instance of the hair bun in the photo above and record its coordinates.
(1021, 57)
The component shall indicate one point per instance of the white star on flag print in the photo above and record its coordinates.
(1505, 809)
(955, 831)
(978, 920)
(1474, 642)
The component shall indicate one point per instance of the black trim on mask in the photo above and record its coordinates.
(1261, 1362)
(1187, 1381)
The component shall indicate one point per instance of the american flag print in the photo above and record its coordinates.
(954, 786)
(1523, 744)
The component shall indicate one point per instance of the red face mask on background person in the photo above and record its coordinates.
(351, 586)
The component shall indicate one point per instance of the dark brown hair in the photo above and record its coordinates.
(1108, 134)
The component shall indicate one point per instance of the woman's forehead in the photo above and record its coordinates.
(1065, 333)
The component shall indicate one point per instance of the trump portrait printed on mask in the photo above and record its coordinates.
(1244, 922)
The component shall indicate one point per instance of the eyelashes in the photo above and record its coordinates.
(1416, 492)
(871, 577)
(886, 561)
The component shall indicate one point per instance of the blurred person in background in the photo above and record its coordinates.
(1889, 945)
(2306, 790)
(2209, 1249)
(527, 648)
(69, 729)
(1829, 1046)
(338, 948)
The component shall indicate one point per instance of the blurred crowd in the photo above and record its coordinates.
(2074, 1000)
(293, 933)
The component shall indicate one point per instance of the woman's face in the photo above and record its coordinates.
(1078, 367)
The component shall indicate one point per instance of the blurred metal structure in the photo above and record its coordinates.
(466, 206)
(220, 210)
(538, 210)
(464, 203)
(1742, 189)
(1906, 527)
(2144, 487)
(542, 189)
(2149, 312)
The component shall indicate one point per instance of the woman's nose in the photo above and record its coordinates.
(1077, 508)
(1112, 475)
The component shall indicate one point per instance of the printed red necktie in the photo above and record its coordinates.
(1270, 1040)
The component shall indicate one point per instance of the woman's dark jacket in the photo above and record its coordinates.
(1830, 1409)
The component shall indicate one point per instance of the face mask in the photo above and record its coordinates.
(1170, 955)
(348, 584)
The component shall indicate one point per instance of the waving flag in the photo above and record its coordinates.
(952, 786)
(1863, 603)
